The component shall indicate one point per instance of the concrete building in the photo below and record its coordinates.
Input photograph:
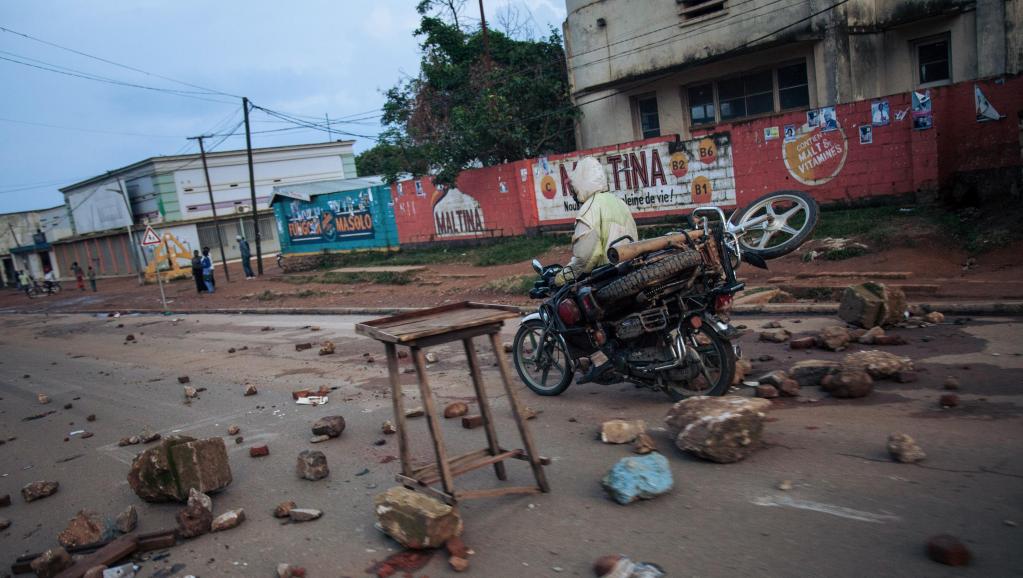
(26, 241)
(645, 69)
(170, 193)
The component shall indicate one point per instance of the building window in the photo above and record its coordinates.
(752, 94)
(933, 61)
(693, 9)
(649, 123)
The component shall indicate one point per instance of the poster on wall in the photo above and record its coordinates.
(330, 218)
(828, 119)
(771, 133)
(922, 117)
(815, 156)
(880, 113)
(790, 132)
(456, 213)
(813, 118)
(866, 134)
(647, 178)
(985, 112)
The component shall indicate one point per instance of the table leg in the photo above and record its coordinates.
(435, 427)
(481, 397)
(527, 439)
(398, 403)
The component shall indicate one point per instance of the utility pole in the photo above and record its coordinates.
(252, 186)
(330, 136)
(486, 39)
(213, 205)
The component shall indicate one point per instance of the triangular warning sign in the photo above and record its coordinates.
(150, 237)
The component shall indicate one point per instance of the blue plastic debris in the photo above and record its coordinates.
(638, 478)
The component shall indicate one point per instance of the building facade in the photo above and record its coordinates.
(26, 242)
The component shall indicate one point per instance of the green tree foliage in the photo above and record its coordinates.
(465, 109)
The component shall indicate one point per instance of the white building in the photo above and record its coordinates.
(25, 242)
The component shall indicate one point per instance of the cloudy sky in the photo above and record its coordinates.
(306, 57)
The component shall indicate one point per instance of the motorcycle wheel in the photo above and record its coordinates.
(718, 360)
(644, 277)
(546, 370)
(795, 217)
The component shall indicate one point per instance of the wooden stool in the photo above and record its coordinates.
(455, 322)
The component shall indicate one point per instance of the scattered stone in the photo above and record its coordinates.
(51, 562)
(416, 520)
(638, 478)
(904, 449)
(890, 340)
(331, 425)
(622, 567)
(129, 337)
(129, 441)
(312, 465)
(789, 388)
(289, 571)
(766, 391)
(190, 392)
(303, 346)
(250, 389)
(303, 514)
(42, 398)
(948, 550)
(431, 357)
(458, 564)
(183, 379)
(227, 520)
(408, 370)
(197, 497)
(239, 440)
(127, 520)
(148, 436)
(388, 428)
(456, 409)
(95, 572)
(833, 337)
(314, 328)
(775, 335)
(267, 328)
(872, 304)
(619, 431)
(772, 325)
(259, 451)
(906, 376)
(402, 354)
(785, 485)
(231, 350)
(327, 348)
(4, 524)
(742, 367)
(415, 412)
(848, 383)
(879, 364)
(934, 317)
(644, 444)
(472, 421)
(508, 347)
(318, 439)
(720, 429)
(765, 358)
(951, 382)
(605, 564)
(194, 520)
(90, 417)
(369, 359)
(949, 400)
(803, 343)
(87, 527)
(39, 490)
(872, 334)
(5, 500)
(774, 378)
(233, 429)
(171, 469)
(68, 406)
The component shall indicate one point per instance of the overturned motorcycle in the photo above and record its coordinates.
(660, 306)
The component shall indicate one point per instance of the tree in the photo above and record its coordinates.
(466, 109)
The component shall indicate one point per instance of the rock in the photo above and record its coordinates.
(51, 562)
(872, 304)
(284, 508)
(789, 388)
(166, 472)
(472, 421)
(508, 347)
(90, 417)
(312, 465)
(303, 346)
(644, 444)
(127, 520)
(228, 520)
(194, 520)
(95, 572)
(762, 297)
(619, 431)
(319, 439)
(833, 337)
(617, 566)
(250, 389)
(934, 317)
(289, 571)
(889, 340)
(416, 520)
(775, 335)
(231, 350)
(239, 440)
(456, 409)
(129, 441)
(766, 391)
(259, 451)
(872, 334)
(785, 485)
(331, 425)
(906, 376)
(606, 564)
(949, 400)
(458, 564)
(87, 527)
(720, 429)
(948, 550)
(638, 478)
(431, 357)
(774, 378)
(803, 343)
(39, 490)
(129, 337)
(327, 348)
(233, 430)
(183, 379)
(415, 412)
(742, 367)
(42, 398)
(147, 436)
(879, 364)
(848, 383)
(195, 497)
(951, 382)
(904, 449)
(68, 406)
(765, 358)
(5, 500)
(304, 514)
(388, 428)
(190, 392)
(4, 524)
(772, 325)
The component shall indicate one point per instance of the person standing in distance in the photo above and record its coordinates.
(243, 246)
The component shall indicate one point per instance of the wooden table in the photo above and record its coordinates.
(455, 322)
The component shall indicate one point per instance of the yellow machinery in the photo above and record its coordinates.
(173, 258)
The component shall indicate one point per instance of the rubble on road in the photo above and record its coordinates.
(810, 372)
(169, 470)
(51, 562)
(39, 490)
(789, 388)
(431, 357)
(86, 528)
(331, 425)
(803, 343)
(638, 478)
(870, 304)
(303, 346)
(282, 510)
(871, 335)
(456, 409)
(415, 412)
(775, 335)
(304, 514)
(319, 439)
(312, 465)
(833, 338)
(327, 348)
(508, 347)
(951, 382)
(619, 431)
(127, 520)
(233, 429)
(948, 550)
(250, 389)
(129, 441)
(259, 451)
(42, 398)
(904, 449)
(190, 392)
(721, 429)
(289, 571)
(949, 400)
(742, 368)
(183, 379)
(618, 566)
(766, 391)
(848, 383)
(5, 500)
(879, 364)
(774, 378)
(227, 520)
(4, 524)
(388, 428)
(416, 520)
(406, 562)
(194, 520)
(472, 421)
(934, 317)
(644, 444)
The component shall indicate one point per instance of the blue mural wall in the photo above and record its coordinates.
(338, 221)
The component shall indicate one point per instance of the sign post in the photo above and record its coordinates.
(151, 239)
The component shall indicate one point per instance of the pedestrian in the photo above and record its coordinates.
(91, 274)
(207, 270)
(25, 282)
(200, 286)
(79, 276)
(243, 246)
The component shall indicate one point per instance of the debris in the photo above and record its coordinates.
(183, 379)
(327, 348)
(90, 417)
(129, 441)
(267, 328)
(775, 335)
(194, 520)
(312, 400)
(803, 343)
(282, 509)
(190, 392)
(456, 409)
(312, 465)
(233, 429)
(872, 304)
(259, 451)
(458, 564)
(622, 567)
(331, 425)
(472, 421)
(848, 383)
(644, 444)
(948, 550)
(5, 500)
(239, 440)
(775, 378)
(833, 337)
(416, 520)
(86, 528)
(197, 497)
(765, 357)
(720, 429)
(406, 562)
(402, 354)
(408, 370)
(785, 485)
(169, 470)
(766, 391)
(619, 431)
(638, 478)
(934, 317)
(42, 398)
(456, 547)
(318, 439)
(231, 350)
(879, 364)
(951, 382)
(147, 436)
(250, 389)
(904, 449)
(127, 520)
(39, 490)
(314, 328)
(303, 346)
(431, 357)
(529, 413)
(742, 367)
(4, 524)
(388, 428)
(228, 520)
(129, 337)
(949, 400)
(68, 406)
(415, 412)
(508, 347)
(51, 563)
(906, 376)
(871, 334)
(303, 514)
(300, 393)
(772, 325)
(289, 571)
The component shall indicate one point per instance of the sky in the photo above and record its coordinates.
(305, 57)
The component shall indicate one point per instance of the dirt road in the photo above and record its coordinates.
(850, 512)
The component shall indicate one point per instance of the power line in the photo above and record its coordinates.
(80, 129)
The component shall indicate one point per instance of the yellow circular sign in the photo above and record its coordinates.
(548, 186)
(708, 151)
(701, 190)
(815, 157)
(679, 164)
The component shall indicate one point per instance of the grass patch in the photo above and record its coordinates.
(377, 277)
(307, 293)
(267, 295)
(866, 222)
(844, 253)
(514, 250)
(499, 252)
(512, 285)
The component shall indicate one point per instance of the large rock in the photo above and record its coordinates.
(810, 372)
(51, 562)
(331, 425)
(620, 431)
(872, 304)
(638, 478)
(167, 472)
(416, 520)
(38, 490)
(848, 383)
(775, 335)
(87, 527)
(194, 520)
(721, 429)
(879, 364)
(904, 449)
(833, 337)
(312, 465)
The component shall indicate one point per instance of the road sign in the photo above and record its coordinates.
(150, 237)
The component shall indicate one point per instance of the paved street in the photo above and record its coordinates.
(851, 511)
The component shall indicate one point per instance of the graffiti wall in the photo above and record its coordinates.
(651, 178)
(343, 220)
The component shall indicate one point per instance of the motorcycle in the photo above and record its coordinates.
(47, 288)
(660, 306)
